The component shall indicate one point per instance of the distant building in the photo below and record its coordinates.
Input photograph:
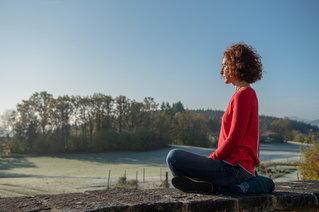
(268, 133)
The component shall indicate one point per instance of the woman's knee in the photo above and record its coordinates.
(173, 155)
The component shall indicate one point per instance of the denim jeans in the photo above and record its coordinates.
(217, 172)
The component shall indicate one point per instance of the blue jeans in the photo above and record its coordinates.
(217, 172)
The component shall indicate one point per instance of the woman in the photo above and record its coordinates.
(237, 153)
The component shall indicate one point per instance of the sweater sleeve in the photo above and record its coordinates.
(241, 114)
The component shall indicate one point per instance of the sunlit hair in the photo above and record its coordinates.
(243, 63)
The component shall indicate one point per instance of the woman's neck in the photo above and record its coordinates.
(238, 85)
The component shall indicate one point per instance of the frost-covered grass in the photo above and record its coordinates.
(28, 175)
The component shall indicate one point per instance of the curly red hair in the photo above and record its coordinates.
(243, 63)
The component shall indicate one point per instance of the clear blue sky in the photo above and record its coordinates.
(167, 49)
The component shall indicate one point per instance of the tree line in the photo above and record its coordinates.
(95, 123)
(285, 129)
(99, 122)
(271, 129)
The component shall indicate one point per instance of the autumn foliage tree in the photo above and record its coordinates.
(190, 129)
(310, 165)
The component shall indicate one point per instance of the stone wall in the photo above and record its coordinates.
(289, 196)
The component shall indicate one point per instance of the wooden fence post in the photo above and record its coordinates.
(136, 179)
(108, 180)
(166, 180)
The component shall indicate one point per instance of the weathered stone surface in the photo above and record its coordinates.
(256, 203)
(159, 206)
(219, 205)
(21, 204)
(294, 201)
(290, 196)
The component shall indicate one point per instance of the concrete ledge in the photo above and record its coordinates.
(289, 196)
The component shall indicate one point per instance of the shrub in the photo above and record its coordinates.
(310, 167)
(122, 181)
(132, 183)
(12, 146)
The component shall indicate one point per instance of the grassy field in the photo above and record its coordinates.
(31, 175)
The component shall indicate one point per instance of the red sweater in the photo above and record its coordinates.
(239, 134)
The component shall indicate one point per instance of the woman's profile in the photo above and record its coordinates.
(237, 154)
